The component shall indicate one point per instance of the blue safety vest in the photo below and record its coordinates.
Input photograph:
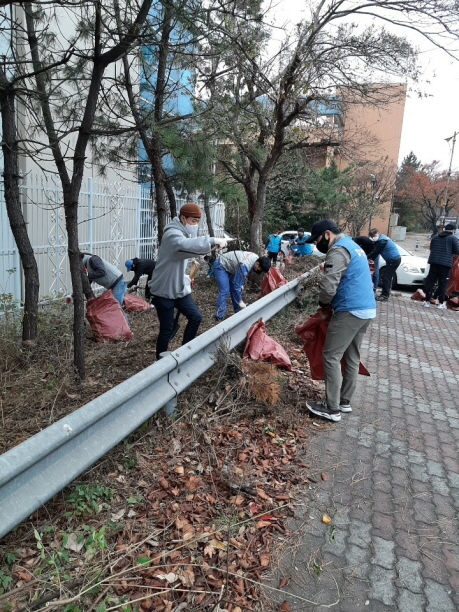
(274, 243)
(355, 289)
(390, 251)
(304, 248)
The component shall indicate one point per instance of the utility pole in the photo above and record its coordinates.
(448, 178)
(373, 184)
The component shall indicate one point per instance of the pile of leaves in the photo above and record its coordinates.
(185, 514)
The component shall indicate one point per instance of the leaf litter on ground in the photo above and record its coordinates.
(196, 504)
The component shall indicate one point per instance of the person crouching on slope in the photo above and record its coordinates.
(170, 287)
(231, 270)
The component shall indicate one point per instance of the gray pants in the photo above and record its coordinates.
(342, 342)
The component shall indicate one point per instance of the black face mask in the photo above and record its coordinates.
(322, 245)
(259, 271)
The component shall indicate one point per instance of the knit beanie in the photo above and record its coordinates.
(190, 210)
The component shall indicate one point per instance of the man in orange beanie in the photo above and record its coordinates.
(169, 286)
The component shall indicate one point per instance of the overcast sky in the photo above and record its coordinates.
(429, 119)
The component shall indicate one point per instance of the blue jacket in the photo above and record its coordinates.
(442, 248)
(273, 243)
(355, 289)
(303, 248)
(386, 247)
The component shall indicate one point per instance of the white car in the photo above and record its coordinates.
(411, 271)
(292, 234)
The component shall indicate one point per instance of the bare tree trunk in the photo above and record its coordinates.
(160, 194)
(171, 197)
(208, 217)
(13, 207)
(71, 188)
(87, 289)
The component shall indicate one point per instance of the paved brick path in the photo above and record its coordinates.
(393, 478)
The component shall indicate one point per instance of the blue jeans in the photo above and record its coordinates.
(228, 284)
(119, 290)
(165, 311)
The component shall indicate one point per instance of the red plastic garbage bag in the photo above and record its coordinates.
(288, 259)
(134, 303)
(260, 346)
(313, 332)
(272, 280)
(453, 282)
(453, 303)
(106, 318)
(418, 295)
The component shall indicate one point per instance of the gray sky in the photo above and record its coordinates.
(429, 120)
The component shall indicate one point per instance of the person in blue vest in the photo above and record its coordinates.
(299, 245)
(385, 247)
(346, 289)
(273, 246)
(368, 245)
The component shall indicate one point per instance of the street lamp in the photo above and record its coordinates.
(373, 185)
(448, 178)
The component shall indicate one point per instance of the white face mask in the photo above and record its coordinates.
(191, 229)
(374, 238)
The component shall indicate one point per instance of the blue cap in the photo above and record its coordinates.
(128, 263)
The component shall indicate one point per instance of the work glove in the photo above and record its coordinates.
(132, 289)
(220, 243)
(242, 305)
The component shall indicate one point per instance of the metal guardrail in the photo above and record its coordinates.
(32, 472)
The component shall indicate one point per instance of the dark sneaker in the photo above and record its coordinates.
(382, 298)
(321, 409)
(345, 408)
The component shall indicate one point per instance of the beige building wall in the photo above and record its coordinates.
(372, 132)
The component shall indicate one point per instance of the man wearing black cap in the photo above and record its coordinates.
(140, 267)
(442, 248)
(346, 288)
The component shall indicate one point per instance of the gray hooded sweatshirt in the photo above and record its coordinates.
(169, 280)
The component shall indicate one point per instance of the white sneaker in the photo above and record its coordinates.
(442, 306)
(426, 304)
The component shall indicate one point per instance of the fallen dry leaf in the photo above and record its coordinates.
(326, 519)
(285, 606)
(324, 476)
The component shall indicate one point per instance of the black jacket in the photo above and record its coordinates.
(366, 244)
(442, 248)
(141, 267)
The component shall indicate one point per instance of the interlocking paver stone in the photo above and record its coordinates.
(393, 466)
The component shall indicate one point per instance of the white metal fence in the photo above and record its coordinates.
(116, 221)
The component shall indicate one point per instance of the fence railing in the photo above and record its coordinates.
(116, 221)
(32, 472)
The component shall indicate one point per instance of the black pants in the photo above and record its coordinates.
(272, 256)
(165, 311)
(437, 273)
(388, 274)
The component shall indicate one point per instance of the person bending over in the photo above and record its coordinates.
(231, 271)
